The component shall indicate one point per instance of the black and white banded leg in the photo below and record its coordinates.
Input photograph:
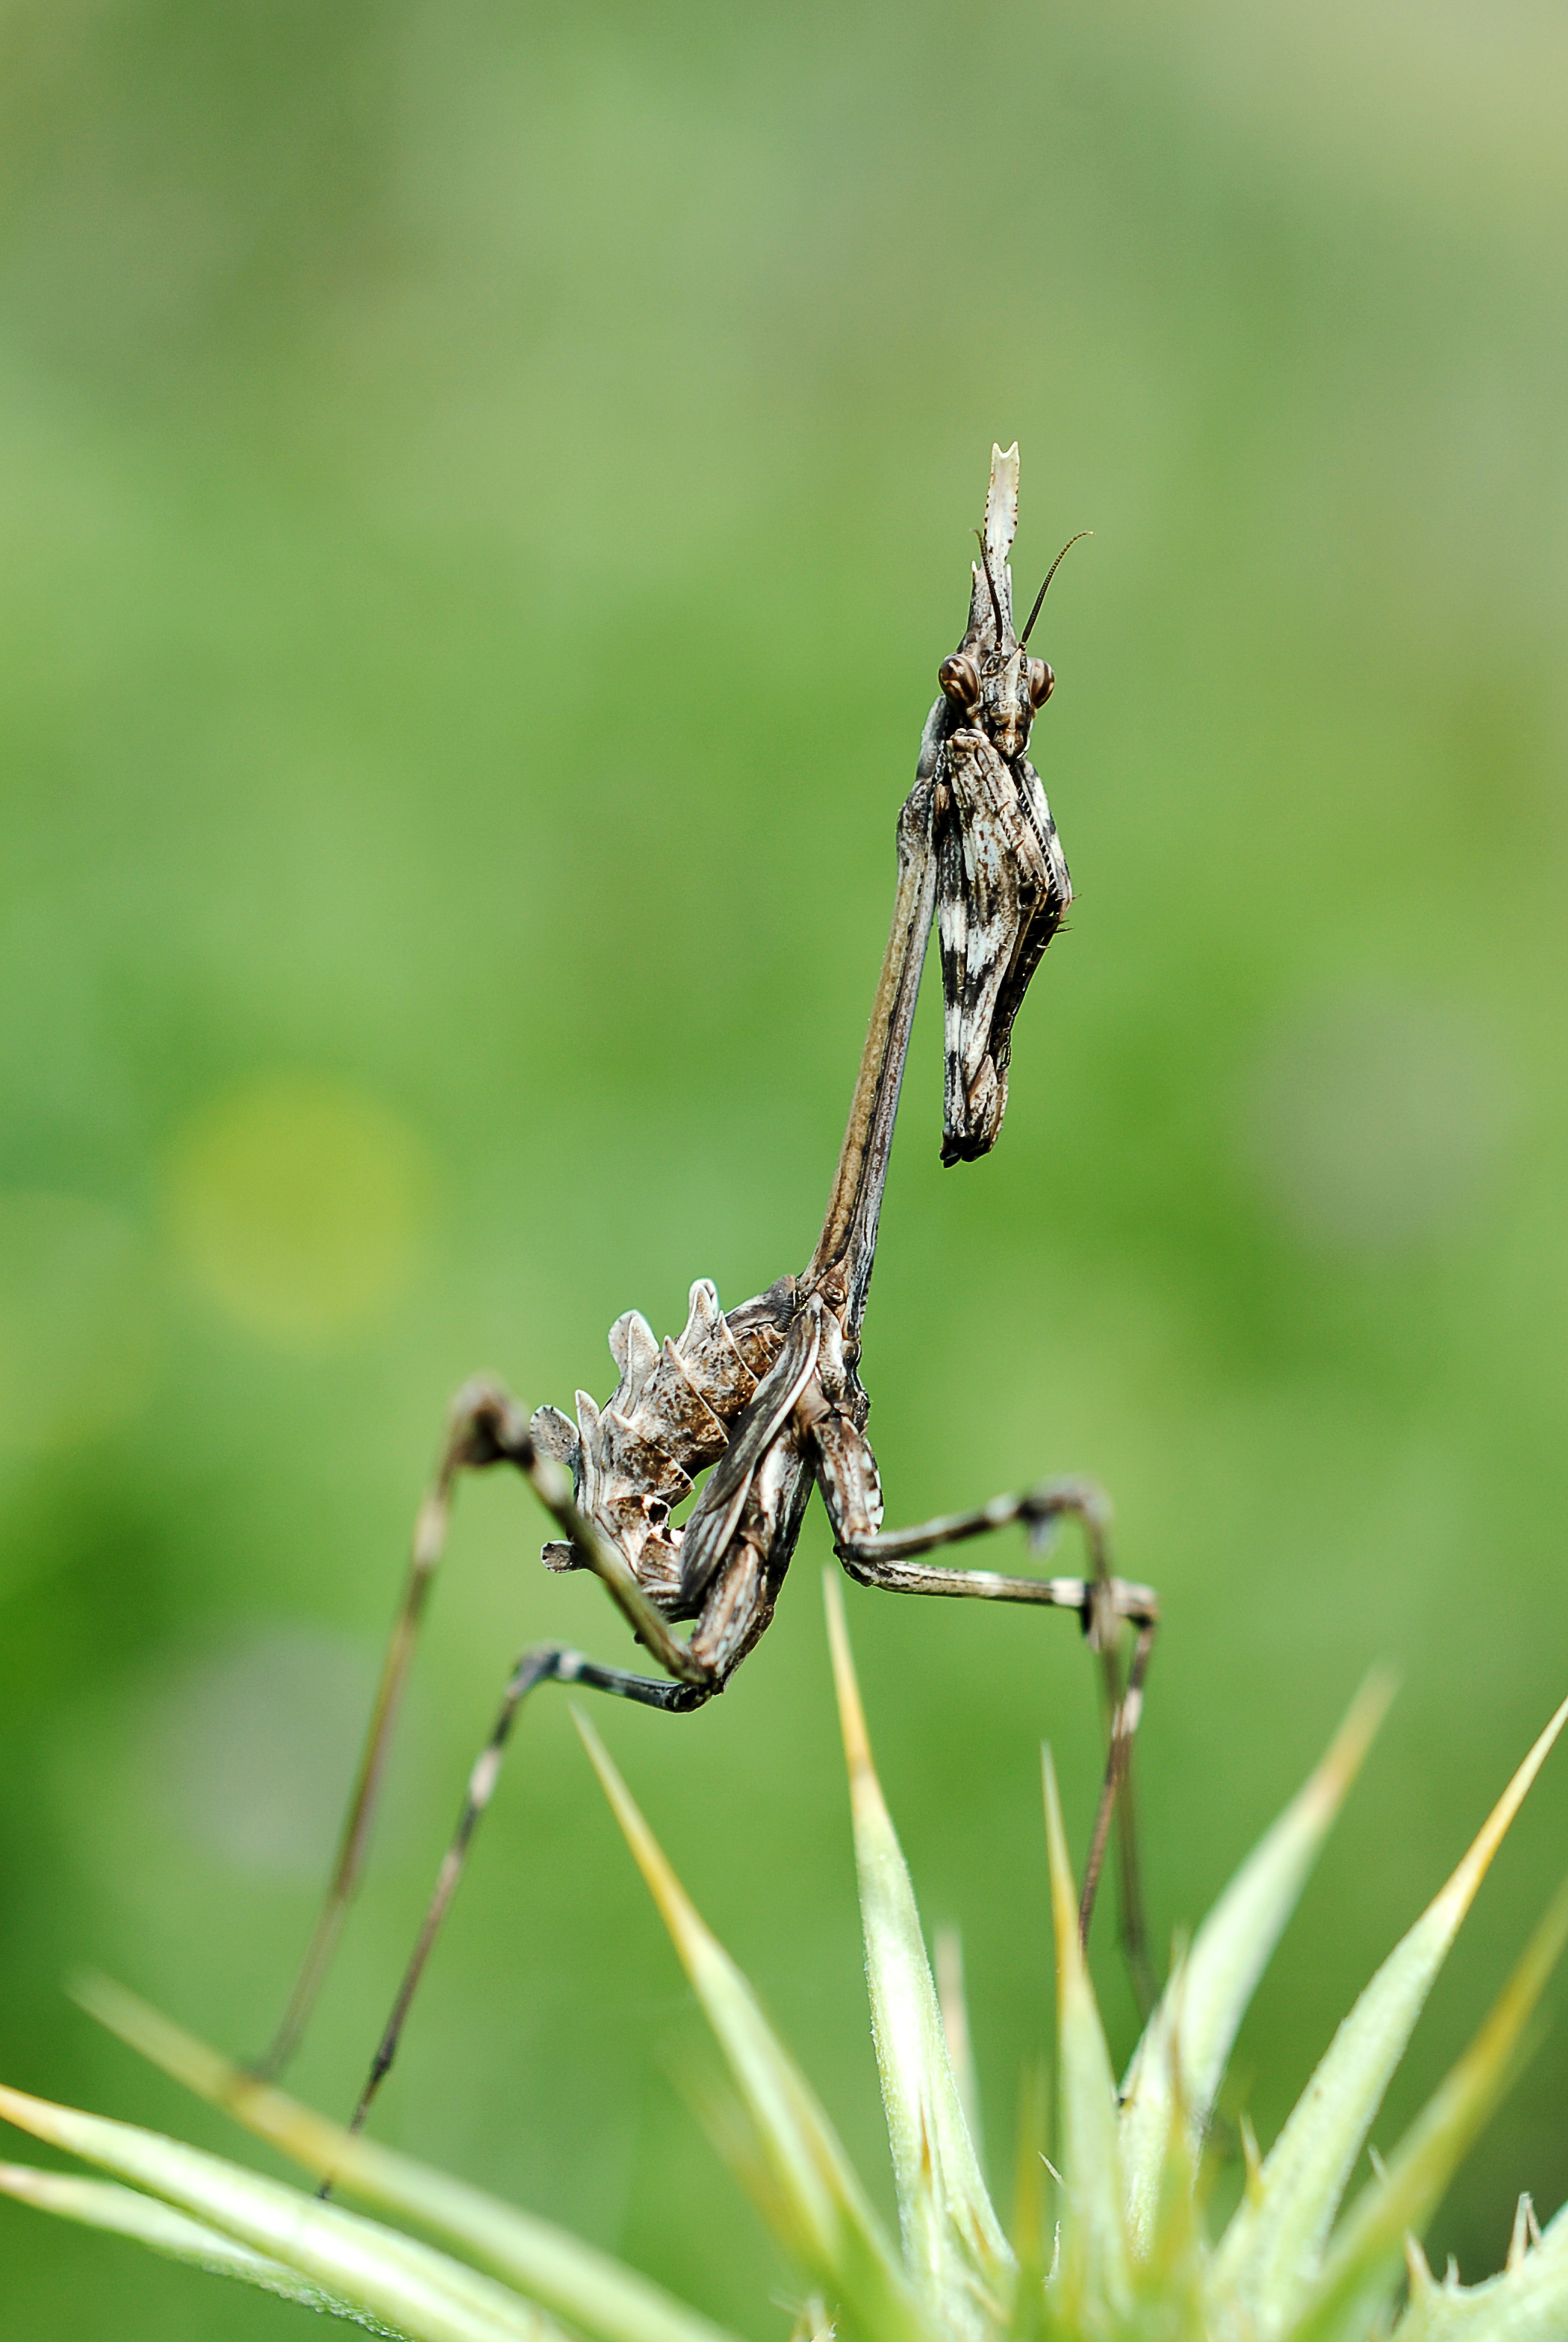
(545, 1663)
(1104, 1605)
(485, 1426)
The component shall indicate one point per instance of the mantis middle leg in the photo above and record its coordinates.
(1104, 1603)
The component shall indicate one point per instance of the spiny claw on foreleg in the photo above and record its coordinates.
(852, 1485)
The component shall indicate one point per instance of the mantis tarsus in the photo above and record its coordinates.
(770, 1396)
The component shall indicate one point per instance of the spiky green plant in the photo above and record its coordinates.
(1122, 2256)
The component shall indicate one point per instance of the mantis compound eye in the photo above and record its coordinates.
(1041, 683)
(960, 680)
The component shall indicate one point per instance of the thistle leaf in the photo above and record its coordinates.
(815, 2202)
(1364, 2258)
(1033, 2234)
(1095, 2277)
(1528, 2304)
(409, 2285)
(1189, 2038)
(954, 2245)
(1269, 2253)
(953, 1999)
(600, 2297)
(103, 2204)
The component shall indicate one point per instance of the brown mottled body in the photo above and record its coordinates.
(669, 1417)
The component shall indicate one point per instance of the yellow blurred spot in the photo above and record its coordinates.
(78, 1342)
(297, 1203)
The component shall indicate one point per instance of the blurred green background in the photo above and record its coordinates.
(484, 494)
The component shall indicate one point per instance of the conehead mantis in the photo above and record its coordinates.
(769, 1396)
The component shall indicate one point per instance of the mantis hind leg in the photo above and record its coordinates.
(1105, 1605)
(545, 1663)
(485, 1426)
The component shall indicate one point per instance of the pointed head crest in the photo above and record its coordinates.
(991, 601)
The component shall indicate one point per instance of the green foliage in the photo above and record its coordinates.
(1131, 2260)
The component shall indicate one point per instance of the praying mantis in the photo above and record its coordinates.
(769, 1396)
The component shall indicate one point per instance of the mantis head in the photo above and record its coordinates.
(990, 682)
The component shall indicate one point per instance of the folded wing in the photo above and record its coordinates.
(1002, 888)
